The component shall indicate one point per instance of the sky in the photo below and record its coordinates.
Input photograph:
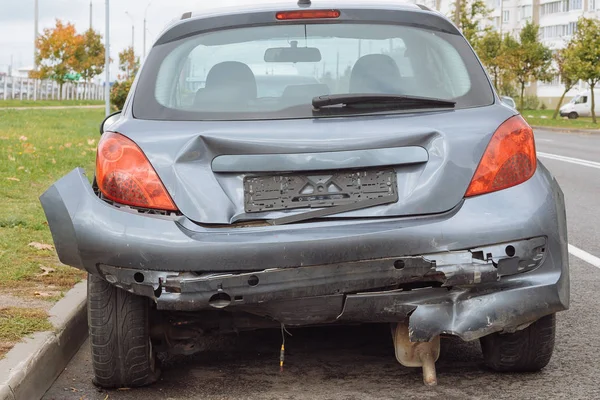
(17, 22)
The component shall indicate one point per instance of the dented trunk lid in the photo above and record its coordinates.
(204, 164)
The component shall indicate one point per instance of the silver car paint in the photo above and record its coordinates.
(89, 232)
(182, 153)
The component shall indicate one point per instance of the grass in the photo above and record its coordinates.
(16, 323)
(49, 103)
(544, 118)
(37, 147)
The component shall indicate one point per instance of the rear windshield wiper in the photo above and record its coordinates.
(379, 101)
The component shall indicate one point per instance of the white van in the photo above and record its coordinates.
(581, 105)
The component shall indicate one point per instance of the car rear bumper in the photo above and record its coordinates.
(447, 273)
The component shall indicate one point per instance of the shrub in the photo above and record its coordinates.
(507, 89)
(531, 103)
(119, 92)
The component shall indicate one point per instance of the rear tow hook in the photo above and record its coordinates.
(416, 354)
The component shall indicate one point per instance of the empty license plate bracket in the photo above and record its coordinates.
(318, 190)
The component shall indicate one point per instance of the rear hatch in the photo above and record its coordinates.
(231, 146)
(436, 156)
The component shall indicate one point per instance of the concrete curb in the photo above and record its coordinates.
(565, 130)
(32, 366)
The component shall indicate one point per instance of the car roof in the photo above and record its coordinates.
(293, 5)
(317, 4)
(190, 22)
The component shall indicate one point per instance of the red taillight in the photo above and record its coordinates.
(308, 14)
(509, 159)
(125, 175)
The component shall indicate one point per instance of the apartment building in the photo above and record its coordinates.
(557, 20)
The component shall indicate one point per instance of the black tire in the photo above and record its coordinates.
(122, 354)
(573, 115)
(528, 350)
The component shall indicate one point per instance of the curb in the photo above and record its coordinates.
(32, 366)
(566, 130)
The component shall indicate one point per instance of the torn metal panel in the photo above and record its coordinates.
(453, 292)
(444, 269)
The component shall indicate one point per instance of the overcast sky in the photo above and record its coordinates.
(17, 16)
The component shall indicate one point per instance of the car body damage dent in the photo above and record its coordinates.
(466, 282)
(453, 292)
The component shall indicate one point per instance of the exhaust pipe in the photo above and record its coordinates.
(419, 354)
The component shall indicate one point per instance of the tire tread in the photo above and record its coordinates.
(528, 350)
(119, 336)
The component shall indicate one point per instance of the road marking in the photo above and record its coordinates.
(544, 140)
(578, 161)
(585, 256)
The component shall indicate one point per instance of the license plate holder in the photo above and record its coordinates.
(318, 190)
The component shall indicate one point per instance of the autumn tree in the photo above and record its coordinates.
(58, 50)
(507, 59)
(567, 69)
(90, 56)
(129, 63)
(471, 14)
(585, 51)
(530, 60)
(490, 51)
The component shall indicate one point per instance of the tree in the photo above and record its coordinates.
(530, 60)
(585, 51)
(58, 49)
(567, 69)
(129, 63)
(506, 59)
(490, 50)
(90, 56)
(471, 14)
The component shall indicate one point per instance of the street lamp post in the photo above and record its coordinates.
(35, 34)
(107, 61)
(145, 29)
(132, 31)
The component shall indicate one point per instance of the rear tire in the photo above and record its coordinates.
(573, 115)
(528, 350)
(122, 354)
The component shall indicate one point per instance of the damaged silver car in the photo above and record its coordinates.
(307, 164)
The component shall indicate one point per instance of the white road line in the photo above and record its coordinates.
(544, 140)
(578, 161)
(585, 256)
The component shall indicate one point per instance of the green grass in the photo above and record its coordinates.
(37, 147)
(16, 323)
(544, 118)
(49, 103)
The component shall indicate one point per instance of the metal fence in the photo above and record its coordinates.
(15, 88)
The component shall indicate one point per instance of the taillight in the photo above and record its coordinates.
(308, 14)
(124, 175)
(509, 159)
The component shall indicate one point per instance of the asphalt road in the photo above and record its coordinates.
(358, 362)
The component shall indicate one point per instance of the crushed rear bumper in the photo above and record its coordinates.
(469, 272)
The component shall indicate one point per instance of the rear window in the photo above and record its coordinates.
(274, 71)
